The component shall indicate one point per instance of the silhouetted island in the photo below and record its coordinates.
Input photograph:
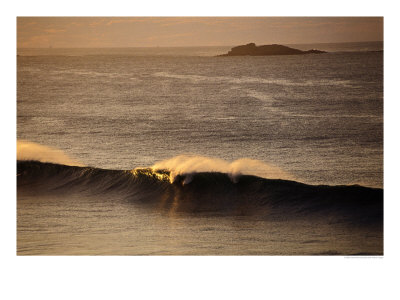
(253, 50)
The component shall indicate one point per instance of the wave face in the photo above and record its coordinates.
(208, 192)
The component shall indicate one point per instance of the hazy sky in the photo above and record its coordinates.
(63, 32)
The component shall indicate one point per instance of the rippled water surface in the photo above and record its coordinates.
(318, 118)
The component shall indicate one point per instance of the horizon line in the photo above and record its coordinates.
(196, 46)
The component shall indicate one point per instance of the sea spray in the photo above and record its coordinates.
(189, 164)
(32, 151)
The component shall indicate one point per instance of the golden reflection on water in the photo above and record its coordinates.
(168, 201)
(155, 174)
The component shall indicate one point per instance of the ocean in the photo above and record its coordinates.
(174, 151)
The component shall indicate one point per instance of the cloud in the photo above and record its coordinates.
(96, 23)
(174, 21)
(168, 36)
(209, 21)
(52, 30)
(185, 31)
(126, 20)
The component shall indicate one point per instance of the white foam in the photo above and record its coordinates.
(33, 151)
(189, 164)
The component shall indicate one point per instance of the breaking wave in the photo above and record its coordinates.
(33, 151)
(215, 192)
(190, 164)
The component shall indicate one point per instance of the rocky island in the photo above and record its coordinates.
(253, 50)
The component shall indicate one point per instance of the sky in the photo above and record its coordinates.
(84, 32)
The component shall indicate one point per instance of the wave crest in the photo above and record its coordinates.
(208, 192)
(32, 151)
(191, 164)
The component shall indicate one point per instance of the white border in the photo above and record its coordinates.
(199, 277)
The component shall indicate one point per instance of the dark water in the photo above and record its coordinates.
(75, 210)
(317, 119)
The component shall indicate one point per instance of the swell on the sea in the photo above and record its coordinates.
(215, 192)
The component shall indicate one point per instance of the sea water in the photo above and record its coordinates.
(318, 118)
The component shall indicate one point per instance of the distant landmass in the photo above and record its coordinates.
(275, 49)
